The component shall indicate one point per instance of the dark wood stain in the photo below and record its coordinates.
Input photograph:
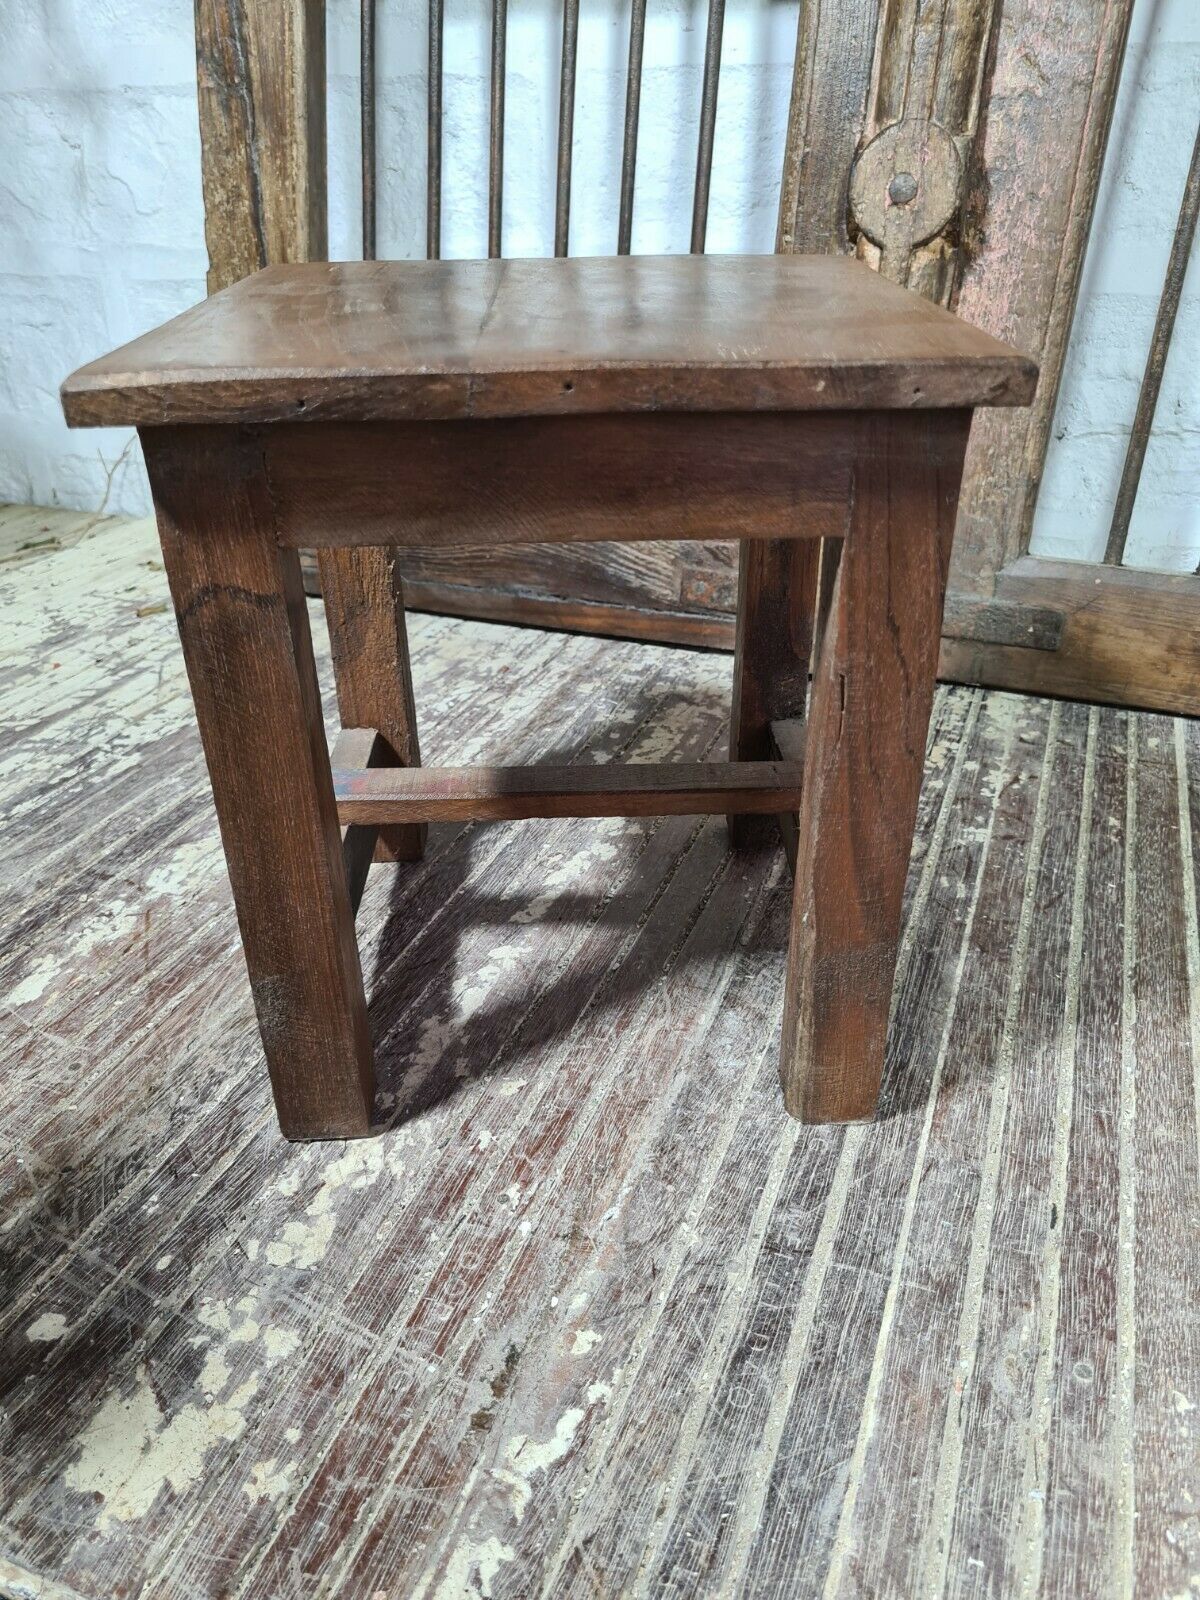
(439, 340)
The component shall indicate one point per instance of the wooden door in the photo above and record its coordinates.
(956, 147)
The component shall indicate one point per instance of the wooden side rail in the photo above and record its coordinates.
(375, 795)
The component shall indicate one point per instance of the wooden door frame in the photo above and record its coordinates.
(1002, 94)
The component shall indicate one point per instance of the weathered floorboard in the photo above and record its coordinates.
(590, 1315)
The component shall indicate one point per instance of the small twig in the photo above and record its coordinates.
(111, 472)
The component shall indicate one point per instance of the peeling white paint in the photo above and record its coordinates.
(525, 1458)
(49, 1326)
(471, 1560)
(130, 1452)
(269, 1481)
(280, 1343)
(305, 1240)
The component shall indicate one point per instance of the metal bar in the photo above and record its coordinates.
(708, 123)
(633, 101)
(433, 179)
(1156, 360)
(566, 125)
(367, 101)
(496, 138)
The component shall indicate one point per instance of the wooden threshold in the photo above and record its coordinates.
(1075, 630)
(1127, 638)
(373, 795)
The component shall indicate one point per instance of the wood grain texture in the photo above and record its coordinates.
(962, 178)
(692, 585)
(442, 340)
(1125, 637)
(888, 1486)
(916, 196)
(260, 76)
(776, 614)
(1162, 1277)
(360, 748)
(872, 691)
(616, 619)
(244, 630)
(831, 78)
(364, 611)
(591, 1315)
(1081, 1478)
(659, 591)
(507, 794)
(561, 479)
(788, 739)
(1122, 637)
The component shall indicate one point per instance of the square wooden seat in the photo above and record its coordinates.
(801, 405)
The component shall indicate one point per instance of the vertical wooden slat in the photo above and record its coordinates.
(1043, 162)
(1163, 1268)
(433, 168)
(566, 126)
(496, 131)
(1156, 360)
(261, 84)
(367, 103)
(708, 123)
(825, 118)
(633, 101)
(911, 177)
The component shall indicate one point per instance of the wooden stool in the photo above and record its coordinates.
(802, 405)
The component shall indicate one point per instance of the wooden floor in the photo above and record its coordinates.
(590, 1317)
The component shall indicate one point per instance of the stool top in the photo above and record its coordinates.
(376, 340)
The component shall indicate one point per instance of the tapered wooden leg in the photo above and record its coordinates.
(244, 627)
(868, 717)
(777, 586)
(364, 607)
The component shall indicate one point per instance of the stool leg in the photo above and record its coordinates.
(872, 695)
(244, 628)
(364, 608)
(777, 587)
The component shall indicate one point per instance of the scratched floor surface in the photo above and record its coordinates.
(590, 1316)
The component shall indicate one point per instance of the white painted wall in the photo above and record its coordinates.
(101, 220)
(1141, 186)
(759, 42)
